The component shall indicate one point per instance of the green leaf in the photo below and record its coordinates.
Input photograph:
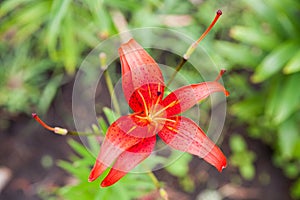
(94, 145)
(266, 13)
(80, 149)
(69, 45)
(252, 36)
(247, 171)
(272, 100)
(275, 61)
(237, 143)
(9, 5)
(293, 65)
(49, 93)
(102, 125)
(58, 11)
(81, 174)
(110, 115)
(288, 137)
(249, 108)
(237, 53)
(289, 98)
(180, 167)
(295, 190)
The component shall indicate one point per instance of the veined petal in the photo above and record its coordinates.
(139, 70)
(128, 160)
(121, 135)
(185, 135)
(187, 96)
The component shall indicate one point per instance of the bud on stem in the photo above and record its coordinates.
(57, 130)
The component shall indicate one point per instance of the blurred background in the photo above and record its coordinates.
(42, 44)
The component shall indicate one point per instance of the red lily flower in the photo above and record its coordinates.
(131, 139)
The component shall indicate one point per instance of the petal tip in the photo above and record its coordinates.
(105, 183)
(227, 93)
(97, 170)
(92, 177)
(223, 165)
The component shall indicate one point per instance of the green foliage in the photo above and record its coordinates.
(22, 80)
(241, 157)
(129, 187)
(60, 33)
(64, 28)
(180, 169)
(268, 46)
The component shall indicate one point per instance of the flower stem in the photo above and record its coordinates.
(154, 179)
(192, 48)
(163, 193)
(102, 57)
(178, 67)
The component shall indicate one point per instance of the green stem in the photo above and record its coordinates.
(111, 92)
(178, 67)
(154, 180)
(163, 193)
(75, 133)
(109, 84)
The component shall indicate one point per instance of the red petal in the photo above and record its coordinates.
(128, 160)
(186, 135)
(187, 96)
(121, 135)
(139, 69)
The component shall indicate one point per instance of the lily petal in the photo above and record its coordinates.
(185, 135)
(128, 160)
(186, 97)
(121, 135)
(139, 70)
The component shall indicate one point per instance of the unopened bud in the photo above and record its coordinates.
(60, 131)
(163, 193)
(103, 57)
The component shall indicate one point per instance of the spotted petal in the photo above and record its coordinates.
(185, 135)
(139, 70)
(128, 160)
(121, 136)
(186, 97)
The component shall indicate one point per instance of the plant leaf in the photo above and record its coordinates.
(289, 99)
(255, 37)
(293, 65)
(287, 137)
(275, 61)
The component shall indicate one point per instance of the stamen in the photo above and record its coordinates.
(165, 108)
(192, 48)
(36, 117)
(158, 90)
(172, 129)
(140, 117)
(218, 14)
(57, 130)
(132, 128)
(150, 94)
(220, 74)
(153, 108)
(144, 102)
(164, 119)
